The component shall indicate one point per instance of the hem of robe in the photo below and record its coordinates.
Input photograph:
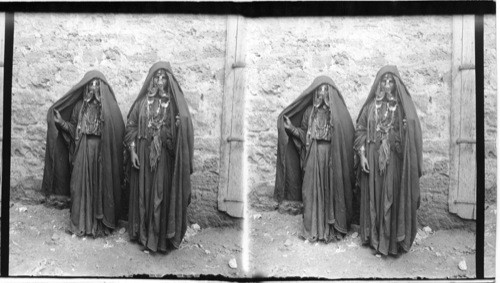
(376, 246)
(176, 246)
(169, 242)
(338, 228)
(310, 238)
(307, 236)
(106, 223)
(405, 248)
(97, 218)
(84, 233)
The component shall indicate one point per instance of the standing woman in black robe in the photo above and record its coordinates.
(389, 145)
(315, 160)
(159, 135)
(84, 153)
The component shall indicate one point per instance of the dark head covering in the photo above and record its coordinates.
(410, 113)
(180, 196)
(288, 183)
(180, 102)
(57, 174)
(409, 199)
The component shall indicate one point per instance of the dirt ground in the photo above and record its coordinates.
(490, 221)
(40, 247)
(277, 251)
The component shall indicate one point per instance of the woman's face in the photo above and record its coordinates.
(94, 85)
(387, 86)
(160, 79)
(321, 94)
(388, 83)
(93, 90)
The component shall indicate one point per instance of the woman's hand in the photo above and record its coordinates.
(288, 123)
(57, 117)
(135, 159)
(364, 164)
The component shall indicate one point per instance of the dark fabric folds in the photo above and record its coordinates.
(59, 153)
(401, 209)
(171, 202)
(289, 173)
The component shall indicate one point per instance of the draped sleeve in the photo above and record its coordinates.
(300, 133)
(169, 129)
(69, 127)
(300, 136)
(132, 127)
(397, 132)
(361, 131)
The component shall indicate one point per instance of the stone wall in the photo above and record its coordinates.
(52, 52)
(490, 108)
(286, 54)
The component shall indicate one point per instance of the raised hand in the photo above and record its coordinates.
(288, 123)
(57, 117)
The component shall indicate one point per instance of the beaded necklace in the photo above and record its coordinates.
(155, 120)
(90, 118)
(391, 105)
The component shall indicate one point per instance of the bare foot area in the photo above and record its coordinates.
(277, 251)
(40, 247)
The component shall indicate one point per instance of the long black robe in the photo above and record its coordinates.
(292, 152)
(389, 200)
(62, 150)
(159, 200)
